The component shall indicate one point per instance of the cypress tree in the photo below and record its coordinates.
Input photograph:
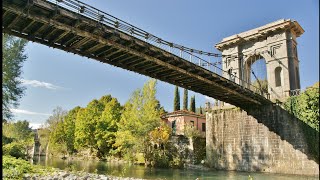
(201, 112)
(176, 101)
(185, 99)
(193, 104)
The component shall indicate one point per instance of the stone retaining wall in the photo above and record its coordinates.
(268, 140)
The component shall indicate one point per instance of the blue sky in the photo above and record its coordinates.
(56, 78)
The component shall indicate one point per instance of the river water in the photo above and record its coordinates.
(126, 170)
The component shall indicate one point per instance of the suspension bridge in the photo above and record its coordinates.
(79, 28)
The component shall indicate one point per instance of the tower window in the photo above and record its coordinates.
(278, 76)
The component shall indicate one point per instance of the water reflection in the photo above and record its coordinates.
(127, 170)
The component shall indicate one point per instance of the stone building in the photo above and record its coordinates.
(276, 44)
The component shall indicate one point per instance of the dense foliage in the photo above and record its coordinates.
(306, 106)
(13, 168)
(12, 60)
(18, 139)
(141, 115)
(104, 128)
(176, 100)
(185, 99)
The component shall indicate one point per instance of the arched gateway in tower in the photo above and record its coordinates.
(276, 44)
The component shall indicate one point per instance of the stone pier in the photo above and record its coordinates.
(266, 139)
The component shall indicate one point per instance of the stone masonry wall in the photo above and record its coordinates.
(268, 140)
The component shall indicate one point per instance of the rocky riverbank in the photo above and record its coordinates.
(59, 174)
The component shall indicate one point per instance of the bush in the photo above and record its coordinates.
(306, 106)
(14, 149)
(14, 168)
(6, 140)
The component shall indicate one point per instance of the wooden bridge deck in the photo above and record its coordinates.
(54, 26)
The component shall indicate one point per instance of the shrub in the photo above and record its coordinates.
(14, 149)
(15, 168)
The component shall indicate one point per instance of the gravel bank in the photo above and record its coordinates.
(57, 175)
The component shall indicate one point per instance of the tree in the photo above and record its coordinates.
(69, 129)
(157, 151)
(54, 124)
(58, 115)
(58, 139)
(87, 119)
(12, 60)
(201, 111)
(141, 115)
(96, 125)
(19, 137)
(185, 99)
(106, 127)
(176, 101)
(193, 104)
(262, 86)
(306, 106)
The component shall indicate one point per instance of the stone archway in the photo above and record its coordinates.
(274, 42)
(257, 76)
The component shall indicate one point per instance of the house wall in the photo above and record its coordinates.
(182, 120)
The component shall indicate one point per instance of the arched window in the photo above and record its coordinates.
(277, 73)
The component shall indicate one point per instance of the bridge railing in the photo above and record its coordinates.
(194, 56)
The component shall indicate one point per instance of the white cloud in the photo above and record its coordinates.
(21, 111)
(36, 83)
(35, 125)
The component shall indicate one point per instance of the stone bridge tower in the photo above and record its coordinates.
(275, 43)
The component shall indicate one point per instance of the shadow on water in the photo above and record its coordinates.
(127, 170)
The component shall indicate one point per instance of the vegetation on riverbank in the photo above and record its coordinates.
(306, 106)
(16, 168)
(105, 129)
(17, 139)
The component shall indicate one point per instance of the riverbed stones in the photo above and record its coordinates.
(65, 175)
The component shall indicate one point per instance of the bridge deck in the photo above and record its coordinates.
(46, 23)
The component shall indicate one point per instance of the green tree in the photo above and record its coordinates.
(69, 129)
(141, 115)
(54, 124)
(193, 104)
(96, 125)
(21, 138)
(85, 125)
(185, 99)
(62, 131)
(306, 106)
(58, 139)
(176, 101)
(157, 151)
(106, 127)
(12, 60)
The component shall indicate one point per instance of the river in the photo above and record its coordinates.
(126, 170)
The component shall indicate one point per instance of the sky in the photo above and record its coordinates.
(57, 78)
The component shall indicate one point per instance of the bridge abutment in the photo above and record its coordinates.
(261, 139)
